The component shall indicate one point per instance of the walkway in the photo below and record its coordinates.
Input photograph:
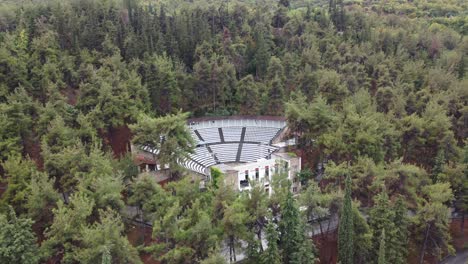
(459, 258)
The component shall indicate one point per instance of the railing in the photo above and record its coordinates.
(236, 123)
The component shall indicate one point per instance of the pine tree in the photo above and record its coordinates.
(262, 53)
(305, 253)
(169, 135)
(381, 259)
(271, 254)
(247, 96)
(18, 174)
(289, 228)
(296, 246)
(438, 165)
(382, 216)
(17, 240)
(346, 230)
(461, 69)
(362, 239)
(274, 99)
(401, 236)
(106, 256)
(160, 78)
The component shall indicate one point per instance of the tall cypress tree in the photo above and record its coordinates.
(289, 228)
(382, 216)
(106, 256)
(401, 236)
(271, 254)
(296, 247)
(381, 259)
(439, 163)
(346, 230)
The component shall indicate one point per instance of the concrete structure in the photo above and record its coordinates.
(246, 149)
(243, 175)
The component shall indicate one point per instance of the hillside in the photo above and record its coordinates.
(375, 94)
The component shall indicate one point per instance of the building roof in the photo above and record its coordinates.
(142, 159)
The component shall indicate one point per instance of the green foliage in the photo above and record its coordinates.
(234, 226)
(41, 197)
(17, 240)
(295, 245)
(216, 176)
(373, 90)
(126, 165)
(148, 196)
(19, 173)
(214, 259)
(271, 254)
(106, 257)
(16, 121)
(105, 237)
(161, 79)
(112, 95)
(346, 234)
(63, 234)
(381, 259)
(402, 232)
(363, 238)
(248, 94)
(438, 165)
(169, 135)
(381, 217)
(431, 224)
(72, 235)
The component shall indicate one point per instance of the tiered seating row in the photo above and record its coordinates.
(195, 138)
(209, 135)
(203, 156)
(226, 152)
(260, 134)
(193, 166)
(150, 150)
(254, 152)
(232, 133)
(255, 131)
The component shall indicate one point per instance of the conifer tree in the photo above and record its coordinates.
(17, 240)
(401, 236)
(381, 259)
(346, 230)
(168, 136)
(382, 216)
(106, 257)
(262, 53)
(438, 165)
(289, 228)
(247, 96)
(271, 254)
(295, 245)
(274, 97)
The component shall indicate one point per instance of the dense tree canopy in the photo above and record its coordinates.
(375, 92)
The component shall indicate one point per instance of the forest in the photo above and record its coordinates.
(374, 92)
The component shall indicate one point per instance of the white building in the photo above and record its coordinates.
(242, 175)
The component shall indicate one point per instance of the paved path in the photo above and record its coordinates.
(460, 258)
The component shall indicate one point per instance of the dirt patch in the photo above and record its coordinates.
(118, 139)
(32, 149)
(141, 236)
(459, 235)
(327, 247)
(71, 95)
